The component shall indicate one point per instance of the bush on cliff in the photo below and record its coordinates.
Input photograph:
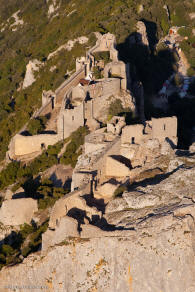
(72, 152)
(23, 242)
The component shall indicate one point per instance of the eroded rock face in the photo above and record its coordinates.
(31, 67)
(67, 227)
(138, 200)
(142, 34)
(158, 257)
(192, 148)
(19, 211)
(149, 246)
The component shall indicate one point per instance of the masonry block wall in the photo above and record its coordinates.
(70, 120)
(164, 128)
(66, 85)
(118, 69)
(132, 134)
(23, 145)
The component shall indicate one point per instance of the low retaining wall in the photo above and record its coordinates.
(24, 145)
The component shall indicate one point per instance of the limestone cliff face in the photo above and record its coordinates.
(151, 249)
(148, 260)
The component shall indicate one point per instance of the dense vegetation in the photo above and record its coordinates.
(28, 239)
(20, 244)
(73, 149)
(40, 35)
(22, 175)
(116, 109)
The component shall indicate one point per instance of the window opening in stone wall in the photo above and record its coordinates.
(72, 118)
(164, 127)
(133, 140)
(52, 102)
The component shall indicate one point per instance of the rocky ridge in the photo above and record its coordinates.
(152, 225)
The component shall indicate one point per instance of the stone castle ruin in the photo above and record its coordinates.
(83, 100)
(121, 152)
(80, 100)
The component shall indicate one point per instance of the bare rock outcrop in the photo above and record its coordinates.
(192, 148)
(142, 33)
(145, 244)
(155, 258)
(67, 227)
(31, 67)
(19, 211)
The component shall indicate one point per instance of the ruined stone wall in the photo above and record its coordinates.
(106, 42)
(66, 85)
(115, 168)
(100, 165)
(107, 86)
(23, 145)
(93, 147)
(99, 108)
(113, 54)
(164, 127)
(78, 92)
(80, 63)
(132, 134)
(70, 120)
(81, 176)
(111, 86)
(118, 69)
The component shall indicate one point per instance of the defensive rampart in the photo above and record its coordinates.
(24, 145)
(66, 85)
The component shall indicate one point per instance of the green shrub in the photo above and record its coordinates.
(177, 80)
(105, 56)
(185, 31)
(72, 152)
(9, 174)
(97, 73)
(25, 251)
(47, 194)
(1, 201)
(115, 108)
(6, 250)
(191, 72)
(36, 126)
(33, 236)
(119, 191)
(165, 26)
(2, 259)
(25, 230)
(22, 175)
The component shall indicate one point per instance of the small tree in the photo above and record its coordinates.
(36, 126)
(115, 108)
(97, 73)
